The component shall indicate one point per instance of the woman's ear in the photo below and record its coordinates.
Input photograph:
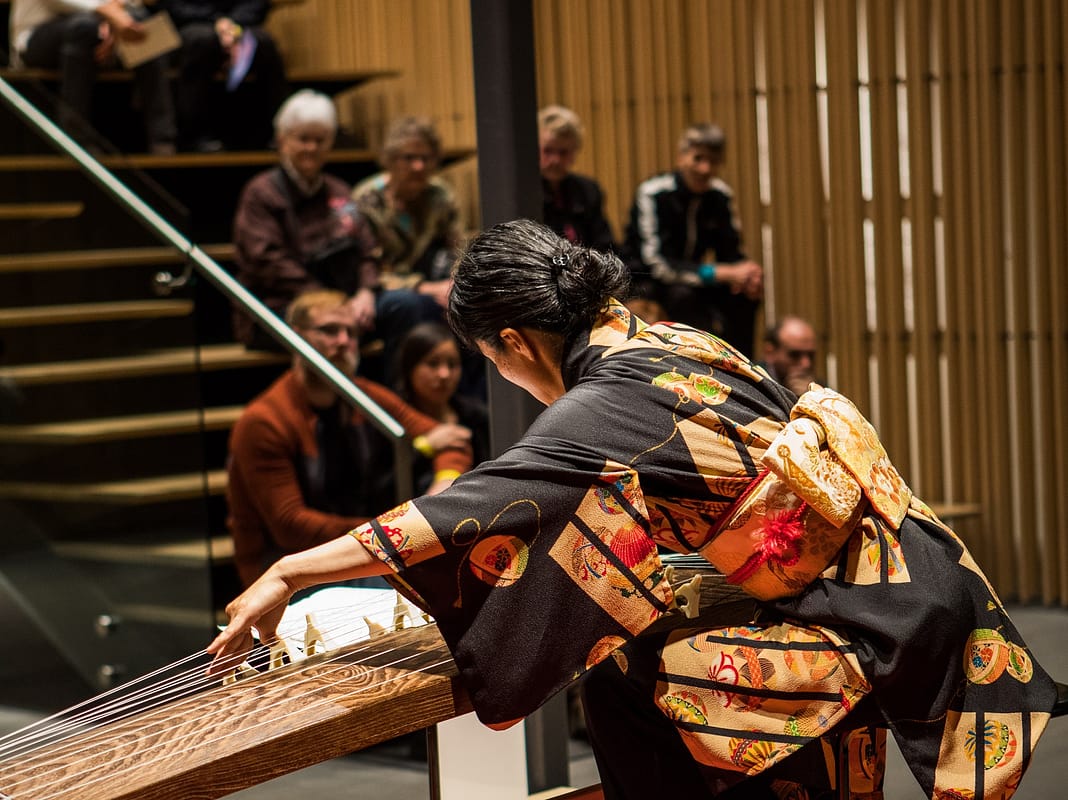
(518, 343)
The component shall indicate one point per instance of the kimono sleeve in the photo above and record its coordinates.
(536, 566)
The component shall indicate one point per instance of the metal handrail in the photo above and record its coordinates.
(222, 280)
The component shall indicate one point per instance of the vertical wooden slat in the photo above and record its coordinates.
(961, 269)
(1056, 555)
(846, 263)
(927, 335)
(889, 338)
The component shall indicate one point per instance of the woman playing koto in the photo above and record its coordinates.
(543, 566)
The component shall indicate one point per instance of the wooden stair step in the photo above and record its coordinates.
(297, 75)
(190, 552)
(84, 431)
(27, 211)
(158, 362)
(332, 81)
(104, 258)
(173, 616)
(68, 313)
(244, 158)
(137, 491)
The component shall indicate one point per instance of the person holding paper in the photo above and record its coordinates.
(225, 35)
(78, 36)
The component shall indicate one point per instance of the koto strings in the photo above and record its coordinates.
(19, 751)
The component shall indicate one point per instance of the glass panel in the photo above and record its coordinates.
(113, 547)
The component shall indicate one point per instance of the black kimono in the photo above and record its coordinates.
(544, 562)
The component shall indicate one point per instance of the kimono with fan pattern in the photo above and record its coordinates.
(542, 563)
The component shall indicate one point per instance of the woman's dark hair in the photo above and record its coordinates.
(521, 274)
(414, 347)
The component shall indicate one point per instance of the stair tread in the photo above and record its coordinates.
(52, 210)
(162, 423)
(294, 75)
(93, 312)
(135, 491)
(189, 551)
(157, 362)
(227, 158)
(243, 158)
(107, 257)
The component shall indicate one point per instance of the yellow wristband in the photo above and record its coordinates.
(422, 444)
(446, 475)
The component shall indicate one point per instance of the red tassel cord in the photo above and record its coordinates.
(782, 534)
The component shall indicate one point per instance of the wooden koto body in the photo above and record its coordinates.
(233, 736)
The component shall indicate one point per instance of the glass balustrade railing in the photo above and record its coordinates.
(119, 382)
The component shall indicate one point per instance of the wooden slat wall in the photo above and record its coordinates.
(940, 298)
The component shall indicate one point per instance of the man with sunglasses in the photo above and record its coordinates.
(790, 353)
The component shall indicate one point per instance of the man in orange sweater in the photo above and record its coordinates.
(305, 467)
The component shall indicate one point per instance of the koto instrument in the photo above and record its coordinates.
(190, 737)
(333, 687)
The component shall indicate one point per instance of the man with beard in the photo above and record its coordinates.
(305, 467)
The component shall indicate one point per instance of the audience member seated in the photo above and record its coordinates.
(572, 204)
(684, 246)
(790, 354)
(76, 37)
(225, 35)
(429, 367)
(305, 467)
(297, 228)
(413, 213)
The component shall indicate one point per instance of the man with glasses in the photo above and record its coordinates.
(790, 353)
(305, 467)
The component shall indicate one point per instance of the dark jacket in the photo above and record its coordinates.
(244, 12)
(671, 226)
(287, 242)
(575, 211)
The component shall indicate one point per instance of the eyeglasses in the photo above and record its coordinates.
(797, 355)
(332, 330)
(411, 158)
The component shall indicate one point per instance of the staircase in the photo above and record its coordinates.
(116, 398)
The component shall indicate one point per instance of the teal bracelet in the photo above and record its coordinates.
(707, 273)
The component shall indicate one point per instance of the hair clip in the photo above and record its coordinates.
(560, 261)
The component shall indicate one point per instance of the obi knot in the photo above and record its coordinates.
(831, 457)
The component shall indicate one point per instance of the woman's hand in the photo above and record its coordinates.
(448, 435)
(439, 290)
(260, 606)
(362, 305)
(120, 22)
